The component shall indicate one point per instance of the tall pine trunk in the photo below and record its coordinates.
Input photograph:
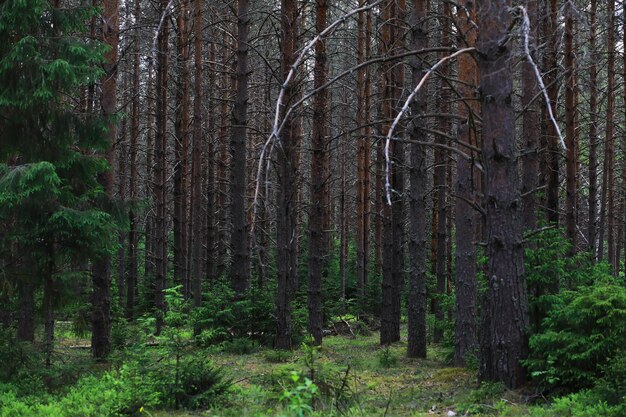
(286, 195)
(417, 300)
(466, 220)
(505, 312)
(319, 183)
(240, 271)
(101, 269)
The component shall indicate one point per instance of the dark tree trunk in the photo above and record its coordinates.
(319, 183)
(181, 147)
(552, 140)
(160, 168)
(505, 312)
(570, 130)
(26, 310)
(240, 271)
(101, 272)
(393, 259)
(131, 283)
(286, 196)
(196, 180)
(363, 154)
(593, 133)
(608, 177)
(531, 126)
(48, 316)
(466, 220)
(418, 194)
(211, 187)
(440, 181)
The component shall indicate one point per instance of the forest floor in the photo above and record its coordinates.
(357, 377)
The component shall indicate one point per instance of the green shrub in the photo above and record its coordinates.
(612, 386)
(113, 394)
(200, 384)
(583, 332)
(386, 358)
(580, 404)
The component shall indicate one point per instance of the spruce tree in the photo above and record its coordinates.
(51, 206)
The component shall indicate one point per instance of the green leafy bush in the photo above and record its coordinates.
(583, 332)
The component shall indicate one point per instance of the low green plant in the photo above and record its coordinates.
(277, 356)
(386, 358)
(299, 394)
(240, 346)
(580, 404)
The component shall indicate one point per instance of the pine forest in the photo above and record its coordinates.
(276, 208)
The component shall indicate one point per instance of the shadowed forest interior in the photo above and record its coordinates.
(312, 208)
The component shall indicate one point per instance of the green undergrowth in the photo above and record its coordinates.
(347, 376)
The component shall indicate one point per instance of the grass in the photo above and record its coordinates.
(355, 377)
(401, 387)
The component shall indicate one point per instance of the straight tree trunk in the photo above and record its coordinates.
(393, 260)
(131, 283)
(570, 130)
(149, 254)
(196, 162)
(531, 125)
(240, 270)
(160, 169)
(592, 222)
(122, 153)
(362, 188)
(319, 183)
(101, 270)
(466, 219)
(551, 81)
(287, 177)
(505, 312)
(608, 178)
(181, 147)
(417, 300)
(440, 181)
(212, 189)
(26, 311)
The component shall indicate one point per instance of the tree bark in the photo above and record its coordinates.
(319, 183)
(196, 161)
(393, 259)
(181, 149)
(417, 300)
(286, 196)
(551, 81)
(240, 270)
(101, 270)
(466, 220)
(531, 125)
(505, 312)
(131, 283)
(570, 130)
(592, 225)
(160, 169)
